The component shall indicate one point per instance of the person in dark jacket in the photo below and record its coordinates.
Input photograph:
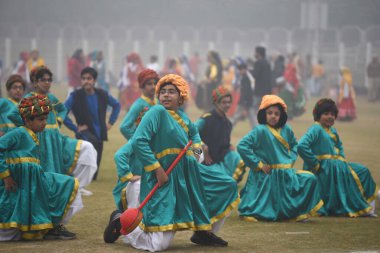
(263, 76)
(89, 106)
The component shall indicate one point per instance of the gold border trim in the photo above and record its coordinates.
(228, 209)
(152, 167)
(179, 120)
(76, 156)
(239, 170)
(126, 177)
(176, 227)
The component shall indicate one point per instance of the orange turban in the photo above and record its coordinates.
(178, 82)
(269, 100)
(146, 75)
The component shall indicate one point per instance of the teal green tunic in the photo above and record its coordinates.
(60, 152)
(346, 188)
(133, 117)
(285, 193)
(6, 106)
(42, 198)
(127, 166)
(232, 163)
(181, 203)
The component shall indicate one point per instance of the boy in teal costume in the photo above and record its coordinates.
(34, 204)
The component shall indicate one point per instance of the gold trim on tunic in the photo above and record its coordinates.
(76, 156)
(277, 135)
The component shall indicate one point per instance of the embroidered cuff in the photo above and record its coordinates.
(5, 174)
(126, 177)
(152, 167)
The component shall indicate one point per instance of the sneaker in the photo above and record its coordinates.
(206, 238)
(112, 231)
(85, 192)
(59, 232)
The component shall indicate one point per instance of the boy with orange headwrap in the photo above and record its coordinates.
(182, 200)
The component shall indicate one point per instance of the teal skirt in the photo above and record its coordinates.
(283, 194)
(40, 201)
(221, 192)
(341, 188)
(178, 205)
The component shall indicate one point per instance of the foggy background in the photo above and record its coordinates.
(340, 32)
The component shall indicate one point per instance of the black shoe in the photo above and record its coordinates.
(206, 238)
(112, 231)
(59, 232)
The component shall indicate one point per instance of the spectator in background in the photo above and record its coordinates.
(74, 67)
(263, 76)
(35, 60)
(100, 66)
(317, 75)
(195, 62)
(245, 106)
(153, 64)
(128, 85)
(21, 68)
(373, 73)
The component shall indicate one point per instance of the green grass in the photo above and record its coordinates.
(361, 140)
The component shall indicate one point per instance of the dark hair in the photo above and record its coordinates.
(260, 51)
(262, 117)
(14, 79)
(89, 70)
(39, 73)
(166, 84)
(324, 105)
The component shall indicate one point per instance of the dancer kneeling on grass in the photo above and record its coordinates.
(274, 189)
(182, 201)
(61, 154)
(346, 188)
(34, 204)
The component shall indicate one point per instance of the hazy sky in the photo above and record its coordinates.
(222, 13)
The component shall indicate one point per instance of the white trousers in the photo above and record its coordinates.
(132, 194)
(14, 234)
(155, 241)
(86, 165)
(158, 241)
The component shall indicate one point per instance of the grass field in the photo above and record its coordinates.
(361, 140)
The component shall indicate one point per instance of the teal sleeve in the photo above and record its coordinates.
(122, 158)
(59, 109)
(293, 145)
(304, 148)
(7, 142)
(144, 134)
(246, 148)
(194, 135)
(128, 126)
(200, 123)
(15, 117)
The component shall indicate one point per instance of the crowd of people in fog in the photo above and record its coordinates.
(44, 172)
